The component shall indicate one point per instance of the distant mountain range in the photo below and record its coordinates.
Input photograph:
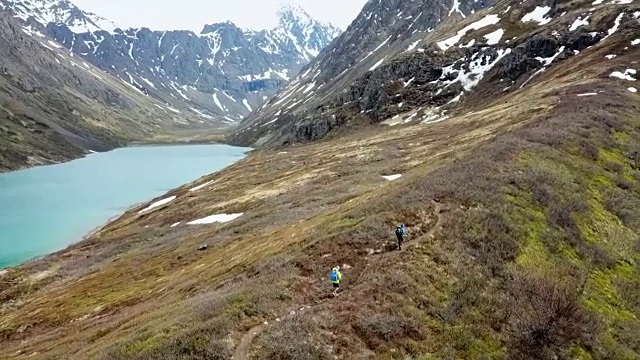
(222, 73)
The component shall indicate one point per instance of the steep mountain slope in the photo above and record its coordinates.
(224, 71)
(425, 70)
(54, 107)
(373, 35)
(522, 204)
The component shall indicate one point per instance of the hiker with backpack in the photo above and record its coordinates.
(336, 277)
(401, 231)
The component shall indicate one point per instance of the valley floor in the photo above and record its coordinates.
(523, 227)
(188, 136)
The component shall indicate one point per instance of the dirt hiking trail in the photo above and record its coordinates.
(242, 350)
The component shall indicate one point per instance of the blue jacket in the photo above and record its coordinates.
(336, 276)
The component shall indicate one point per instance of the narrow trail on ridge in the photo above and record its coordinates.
(242, 350)
(437, 211)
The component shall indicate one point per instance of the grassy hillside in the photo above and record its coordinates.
(532, 253)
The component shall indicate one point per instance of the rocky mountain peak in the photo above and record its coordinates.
(308, 35)
(219, 28)
(58, 12)
(289, 14)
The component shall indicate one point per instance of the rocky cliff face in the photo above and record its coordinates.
(375, 34)
(224, 72)
(423, 67)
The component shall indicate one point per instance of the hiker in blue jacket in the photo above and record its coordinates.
(401, 231)
(336, 277)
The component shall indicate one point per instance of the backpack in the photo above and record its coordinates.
(399, 231)
(334, 275)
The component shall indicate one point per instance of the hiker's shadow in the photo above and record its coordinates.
(390, 246)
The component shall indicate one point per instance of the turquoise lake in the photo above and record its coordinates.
(47, 208)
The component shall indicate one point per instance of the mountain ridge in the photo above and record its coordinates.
(206, 70)
(379, 25)
(324, 95)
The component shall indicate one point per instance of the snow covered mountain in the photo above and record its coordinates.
(224, 72)
(374, 35)
(412, 61)
(58, 11)
(307, 35)
(56, 107)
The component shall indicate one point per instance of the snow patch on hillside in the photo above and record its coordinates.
(148, 82)
(456, 8)
(55, 44)
(549, 60)
(392, 177)
(486, 21)
(545, 63)
(157, 204)
(494, 37)
(196, 188)
(579, 22)
(246, 104)
(476, 70)
(376, 65)
(377, 48)
(218, 103)
(413, 45)
(202, 114)
(537, 15)
(218, 218)
(624, 76)
(616, 26)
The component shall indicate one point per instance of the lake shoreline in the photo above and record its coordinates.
(84, 238)
(181, 138)
(220, 158)
(130, 145)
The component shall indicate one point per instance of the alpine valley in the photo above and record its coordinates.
(504, 134)
(144, 82)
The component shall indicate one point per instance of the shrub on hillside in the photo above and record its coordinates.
(204, 342)
(291, 340)
(634, 156)
(399, 282)
(614, 167)
(190, 349)
(624, 184)
(545, 318)
(589, 151)
(381, 328)
(607, 121)
(464, 297)
(492, 239)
